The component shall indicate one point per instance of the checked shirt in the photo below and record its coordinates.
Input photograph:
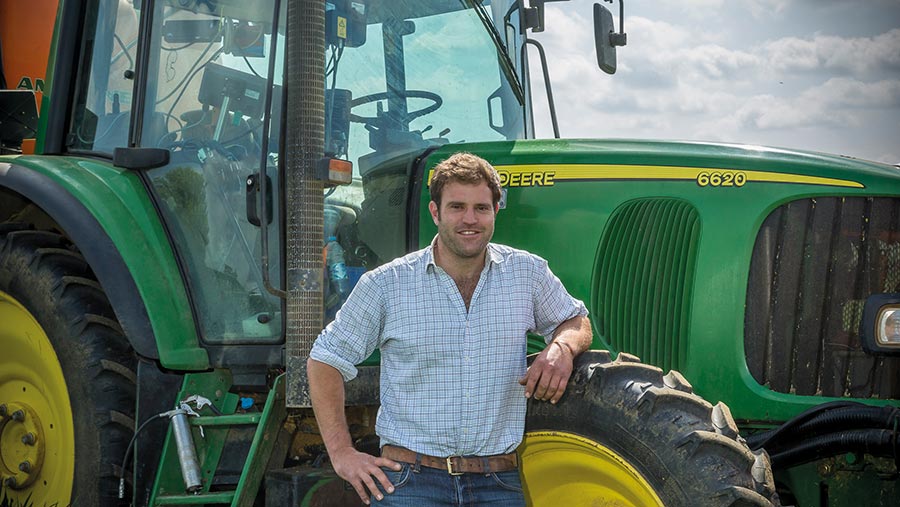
(449, 377)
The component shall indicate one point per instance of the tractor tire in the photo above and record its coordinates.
(67, 376)
(624, 434)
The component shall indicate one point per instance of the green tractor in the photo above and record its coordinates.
(211, 177)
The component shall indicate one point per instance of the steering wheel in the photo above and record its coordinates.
(407, 94)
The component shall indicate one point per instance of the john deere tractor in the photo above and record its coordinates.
(212, 177)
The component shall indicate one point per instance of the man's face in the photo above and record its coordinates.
(465, 220)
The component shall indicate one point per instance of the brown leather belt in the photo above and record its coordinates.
(454, 465)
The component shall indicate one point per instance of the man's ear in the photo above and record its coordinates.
(433, 208)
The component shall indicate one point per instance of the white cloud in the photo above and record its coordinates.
(852, 55)
(847, 92)
(765, 8)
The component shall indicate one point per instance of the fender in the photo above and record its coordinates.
(107, 214)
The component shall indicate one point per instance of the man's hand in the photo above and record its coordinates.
(326, 388)
(548, 375)
(361, 470)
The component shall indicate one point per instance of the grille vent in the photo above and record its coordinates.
(814, 263)
(642, 287)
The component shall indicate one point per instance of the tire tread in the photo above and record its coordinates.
(47, 274)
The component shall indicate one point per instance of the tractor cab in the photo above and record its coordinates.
(205, 82)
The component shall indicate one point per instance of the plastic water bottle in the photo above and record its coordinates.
(337, 268)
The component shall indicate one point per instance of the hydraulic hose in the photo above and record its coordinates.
(875, 442)
(836, 419)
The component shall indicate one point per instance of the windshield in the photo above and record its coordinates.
(413, 74)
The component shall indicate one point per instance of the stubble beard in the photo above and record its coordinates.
(449, 238)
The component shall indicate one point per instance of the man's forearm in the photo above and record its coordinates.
(326, 389)
(574, 334)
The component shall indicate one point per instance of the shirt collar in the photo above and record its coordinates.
(493, 254)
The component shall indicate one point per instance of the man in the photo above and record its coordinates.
(451, 321)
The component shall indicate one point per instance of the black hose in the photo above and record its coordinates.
(762, 439)
(134, 437)
(830, 421)
(875, 442)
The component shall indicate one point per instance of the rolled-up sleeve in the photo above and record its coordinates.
(356, 330)
(553, 305)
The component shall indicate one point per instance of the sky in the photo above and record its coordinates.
(819, 75)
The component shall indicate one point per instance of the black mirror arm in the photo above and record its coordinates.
(620, 38)
(533, 17)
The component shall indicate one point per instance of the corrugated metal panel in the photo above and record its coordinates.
(642, 287)
(814, 264)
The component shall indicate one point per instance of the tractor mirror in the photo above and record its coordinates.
(603, 28)
(18, 118)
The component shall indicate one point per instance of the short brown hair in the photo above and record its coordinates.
(464, 168)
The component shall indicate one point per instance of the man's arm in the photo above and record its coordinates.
(326, 389)
(548, 376)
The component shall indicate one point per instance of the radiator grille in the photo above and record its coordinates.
(642, 287)
(814, 263)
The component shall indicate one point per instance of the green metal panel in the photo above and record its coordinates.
(565, 214)
(117, 199)
(264, 439)
(844, 480)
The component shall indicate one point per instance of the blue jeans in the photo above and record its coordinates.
(424, 487)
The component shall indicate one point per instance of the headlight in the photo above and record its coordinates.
(880, 326)
(887, 327)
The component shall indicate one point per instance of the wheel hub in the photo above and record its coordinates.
(37, 435)
(562, 468)
(21, 445)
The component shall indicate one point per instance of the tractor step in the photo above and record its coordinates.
(219, 497)
(217, 439)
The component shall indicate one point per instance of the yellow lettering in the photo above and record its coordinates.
(537, 179)
(504, 178)
(526, 179)
(548, 178)
(515, 179)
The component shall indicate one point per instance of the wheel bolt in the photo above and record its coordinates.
(10, 482)
(18, 416)
(25, 466)
(28, 438)
(3, 410)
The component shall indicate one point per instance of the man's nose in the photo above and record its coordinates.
(469, 216)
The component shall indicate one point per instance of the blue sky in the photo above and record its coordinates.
(816, 75)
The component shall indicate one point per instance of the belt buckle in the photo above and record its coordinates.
(450, 466)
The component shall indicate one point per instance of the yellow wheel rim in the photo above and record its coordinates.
(35, 415)
(565, 469)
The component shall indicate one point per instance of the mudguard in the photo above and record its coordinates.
(108, 215)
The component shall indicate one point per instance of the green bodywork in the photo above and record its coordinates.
(564, 223)
(119, 202)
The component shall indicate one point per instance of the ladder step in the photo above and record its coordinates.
(226, 420)
(218, 497)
